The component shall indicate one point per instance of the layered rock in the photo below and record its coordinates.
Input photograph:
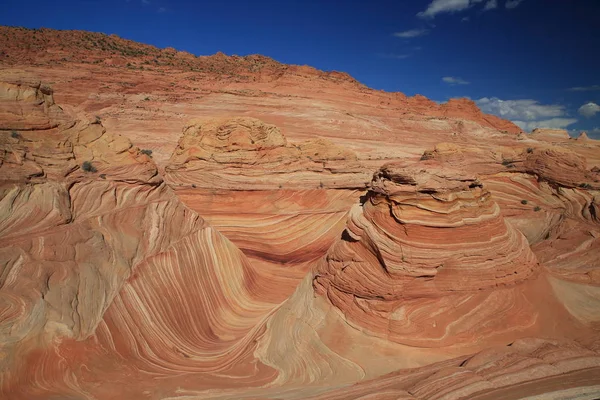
(93, 246)
(113, 286)
(245, 153)
(427, 248)
(527, 368)
(550, 135)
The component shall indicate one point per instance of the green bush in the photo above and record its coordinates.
(88, 167)
(15, 135)
(530, 149)
(537, 208)
(147, 152)
(524, 202)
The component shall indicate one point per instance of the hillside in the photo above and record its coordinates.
(220, 227)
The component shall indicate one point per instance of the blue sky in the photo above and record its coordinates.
(532, 61)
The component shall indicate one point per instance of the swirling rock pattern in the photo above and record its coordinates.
(263, 267)
(428, 246)
(246, 153)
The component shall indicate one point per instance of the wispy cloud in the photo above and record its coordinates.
(513, 3)
(589, 110)
(584, 88)
(453, 80)
(411, 33)
(446, 6)
(490, 5)
(395, 56)
(162, 10)
(528, 114)
(145, 1)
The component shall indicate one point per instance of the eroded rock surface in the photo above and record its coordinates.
(270, 262)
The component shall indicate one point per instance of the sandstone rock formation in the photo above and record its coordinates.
(550, 134)
(245, 153)
(254, 254)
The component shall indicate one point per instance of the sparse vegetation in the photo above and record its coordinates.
(507, 162)
(97, 120)
(147, 152)
(530, 150)
(524, 202)
(88, 167)
(194, 185)
(427, 155)
(103, 176)
(585, 186)
(15, 135)
(147, 99)
(537, 208)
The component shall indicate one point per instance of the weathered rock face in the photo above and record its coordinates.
(526, 368)
(427, 238)
(551, 135)
(246, 153)
(91, 255)
(263, 266)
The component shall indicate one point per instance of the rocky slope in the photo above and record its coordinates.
(292, 234)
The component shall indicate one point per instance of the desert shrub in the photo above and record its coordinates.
(103, 176)
(427, 155)
(507, 162)
(585, 186)
(88, 167)
(15, 135)
(530, 149)
(524, 202)
(537, 208)
(147, 152)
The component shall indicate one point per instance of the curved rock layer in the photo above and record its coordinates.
(282, 232)
(105, 274)
(561, 224)
(428, 260)
(527, 368)
(246, 153)
(149, 94)
(283, 205)
(111, 286)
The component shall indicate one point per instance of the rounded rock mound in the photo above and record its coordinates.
(428, 247)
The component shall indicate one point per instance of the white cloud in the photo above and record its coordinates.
(585, 88)
(411, 33)
(589, 110)
(513, 3)
(444, 6)
(162, 10)
(527, 114)
(490, 5)
(464, 19)
(594, 132)
(395, 56)
(452, 80)
(527, 110)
